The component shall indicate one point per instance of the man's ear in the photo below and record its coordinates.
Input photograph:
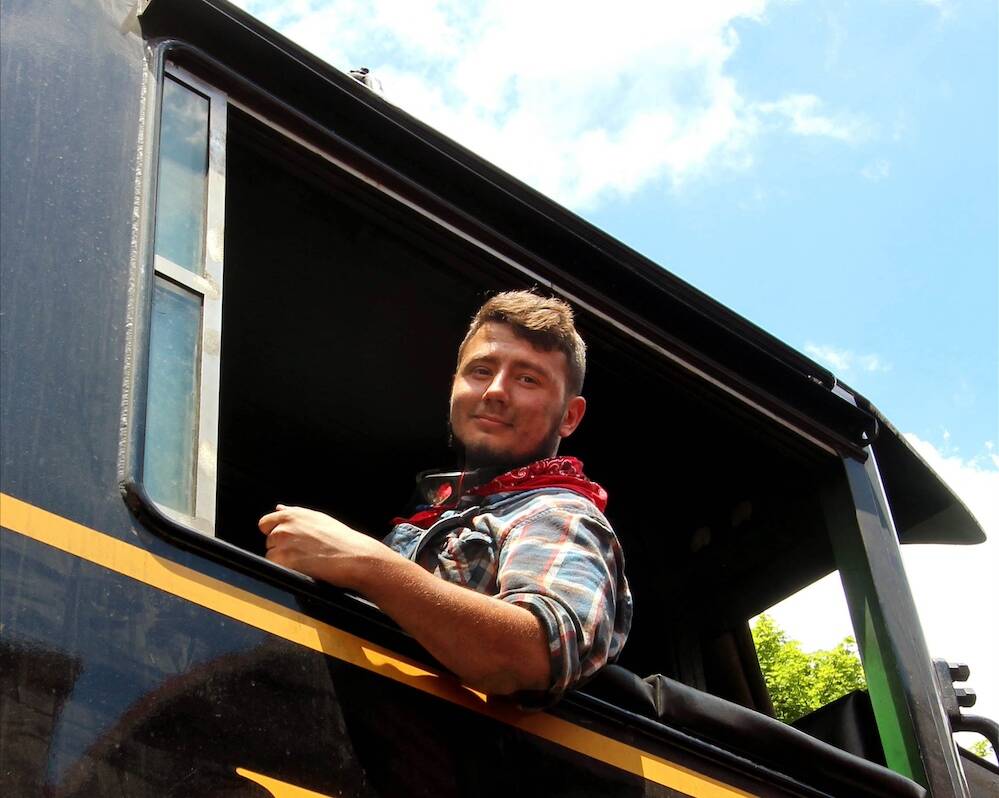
(574, 412)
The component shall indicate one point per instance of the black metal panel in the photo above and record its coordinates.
(71, 77)
(112, 687)
(923, 507)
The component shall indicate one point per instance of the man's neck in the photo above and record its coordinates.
(462, 480)
(469, 464)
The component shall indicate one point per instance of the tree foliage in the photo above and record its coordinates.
(982, 748)
(800, 681)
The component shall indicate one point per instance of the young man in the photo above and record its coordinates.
(511, 576)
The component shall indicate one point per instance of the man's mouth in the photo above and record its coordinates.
(492, 420)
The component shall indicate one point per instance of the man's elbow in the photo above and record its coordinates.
(520, 673)
(506, 682)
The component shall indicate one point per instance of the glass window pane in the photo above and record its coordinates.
(182, 180)
(172, 403)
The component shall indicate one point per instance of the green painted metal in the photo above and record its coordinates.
(894, 723)
(913, 726)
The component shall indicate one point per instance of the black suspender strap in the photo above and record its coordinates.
(442, 526)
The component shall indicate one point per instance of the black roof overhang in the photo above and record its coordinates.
(565, 252)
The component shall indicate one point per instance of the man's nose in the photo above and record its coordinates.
(496, 390)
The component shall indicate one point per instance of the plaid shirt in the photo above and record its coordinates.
(549, 550)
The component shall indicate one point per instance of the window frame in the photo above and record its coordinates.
(208, 289)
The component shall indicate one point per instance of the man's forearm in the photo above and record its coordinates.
(490, 644)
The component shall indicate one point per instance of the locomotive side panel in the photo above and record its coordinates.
(72, 78)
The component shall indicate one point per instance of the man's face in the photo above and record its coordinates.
(508, 401)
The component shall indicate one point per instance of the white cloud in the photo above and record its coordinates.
(975, 479)
(943, 7)
(805, 115)
(585, 102)
(955, 587)
(836, 359)
(844, 361)
(876, 171)
(872, 363)
(837, 36)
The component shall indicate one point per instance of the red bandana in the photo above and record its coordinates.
(552, 472)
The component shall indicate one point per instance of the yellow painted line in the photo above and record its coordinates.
(241, 605)
(278, 788)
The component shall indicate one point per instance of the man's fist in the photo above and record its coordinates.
(320, 546)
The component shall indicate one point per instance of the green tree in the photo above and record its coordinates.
(982, 748)
(800, 681)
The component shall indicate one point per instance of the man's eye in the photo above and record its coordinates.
(529, 379)
(479, 371)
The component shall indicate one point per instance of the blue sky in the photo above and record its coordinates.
(882, 246)
(828, 169)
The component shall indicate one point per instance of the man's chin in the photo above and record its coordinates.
(487, 457)
(480, 455)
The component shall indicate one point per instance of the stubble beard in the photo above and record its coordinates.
(483, 455)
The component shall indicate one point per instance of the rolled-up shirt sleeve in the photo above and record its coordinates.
(565, 565)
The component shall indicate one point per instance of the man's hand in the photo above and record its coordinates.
(490, 644)
(320, 546)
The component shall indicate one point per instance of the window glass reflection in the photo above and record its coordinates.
(172, 403)
(182, 178)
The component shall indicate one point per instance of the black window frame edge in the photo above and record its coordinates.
(579, 702)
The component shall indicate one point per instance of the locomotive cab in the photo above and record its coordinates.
(272, 270)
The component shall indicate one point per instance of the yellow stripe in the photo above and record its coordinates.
(278, 788)
(241, 605)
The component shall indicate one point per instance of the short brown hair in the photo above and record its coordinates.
(546, 322)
